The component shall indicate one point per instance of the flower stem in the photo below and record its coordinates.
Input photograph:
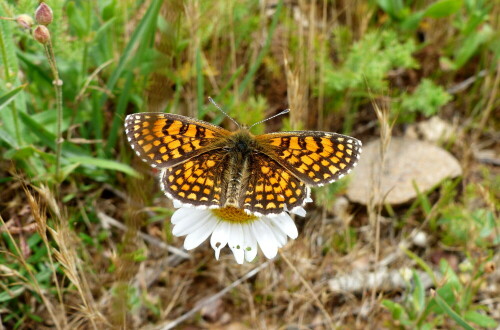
(49, 51)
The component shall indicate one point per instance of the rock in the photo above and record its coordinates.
(407, 162)
(420, 239)
(432, 130)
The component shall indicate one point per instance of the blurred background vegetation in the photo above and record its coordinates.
(86, 240)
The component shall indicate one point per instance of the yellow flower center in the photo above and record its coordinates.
(233, 214)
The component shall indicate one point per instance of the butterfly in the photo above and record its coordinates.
(206, 166)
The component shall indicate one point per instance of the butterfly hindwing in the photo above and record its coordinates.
(197, 181)
(270, 188)
(164, 140)
(314, 157)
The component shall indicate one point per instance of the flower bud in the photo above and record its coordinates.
(25, 21)
(43, 14)
(489, 267)
(41, 34)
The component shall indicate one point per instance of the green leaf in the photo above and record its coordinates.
(105, 164)
(20, 153)
(443, 8)
(8, 97)
(394, 8)
(12, 293)
(424, 201)
(412, 21)
(480, 319)
(427, 98)
(447, 293)
(7, 138)
(471, 44)
(67, 170)
(48, 138)
(450, 276)
(77, 19)
(448, 310)
(396, 309)
(422, 264)
(418, 293)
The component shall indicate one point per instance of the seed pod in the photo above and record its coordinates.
(43, 14)
(25, 21)
(41, 34)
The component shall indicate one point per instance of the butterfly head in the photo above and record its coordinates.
(241, 141)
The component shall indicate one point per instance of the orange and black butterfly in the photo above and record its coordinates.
(204, 165)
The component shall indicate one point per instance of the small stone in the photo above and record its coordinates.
(420, 239)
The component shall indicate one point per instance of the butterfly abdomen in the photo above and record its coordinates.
(239, 147)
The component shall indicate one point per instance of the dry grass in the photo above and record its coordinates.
(109, 252)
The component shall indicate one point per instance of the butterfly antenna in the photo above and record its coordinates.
(217, 106)
(276, 115)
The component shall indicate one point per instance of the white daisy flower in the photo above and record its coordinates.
(236, 228)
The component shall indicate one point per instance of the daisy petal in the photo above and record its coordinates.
(299, 211)
(286, 224)
(219, 237)
(180, 214)
(190, 222)
(278, 234)
(266, 240)
(250, 245)
(236, 241)
(200, 234)
(177, 204)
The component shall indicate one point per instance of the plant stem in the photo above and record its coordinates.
(49, 51)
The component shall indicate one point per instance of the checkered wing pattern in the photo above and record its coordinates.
(164, 140)
(271, 188)
(198, 181)
(317, 158)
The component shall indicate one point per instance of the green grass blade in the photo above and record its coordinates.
(480, 319)
(47, 138)
(263, 52)
(199, 84)
(104, 164)
(8, 138)
(8, 97)
(230, 83)
(448, 310)
(421, 263)
(117, 124)
(141, 38)
(144, 27)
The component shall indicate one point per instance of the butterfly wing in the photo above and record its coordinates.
(316, 158)
(271, 189)
(197, 181)
(164, 140)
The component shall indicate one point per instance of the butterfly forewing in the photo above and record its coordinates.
(164, 140)
(314, 157)
(197, 181)
(271, 188)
